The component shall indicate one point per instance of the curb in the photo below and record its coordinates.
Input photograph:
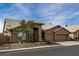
(10, 50)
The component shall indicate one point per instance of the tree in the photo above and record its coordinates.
(16, 30)
(30, 31)
(26, 27)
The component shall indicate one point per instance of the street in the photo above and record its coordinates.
(51, 51)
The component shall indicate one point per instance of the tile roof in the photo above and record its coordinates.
(62, 28)
(72, 28)
(12, 22)
(48, 26)
(39, 22)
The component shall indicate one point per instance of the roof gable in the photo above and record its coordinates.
(62, 29)
(52, 28)
(72, 28)
(49, 26)
(14, 23)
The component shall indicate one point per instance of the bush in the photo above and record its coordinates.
(44, 39)
(4, 39)
(47, 42)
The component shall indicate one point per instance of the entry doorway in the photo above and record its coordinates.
(35, 34)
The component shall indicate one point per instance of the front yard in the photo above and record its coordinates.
(24, 45)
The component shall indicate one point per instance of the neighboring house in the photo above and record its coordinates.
(76, 34)
(47, 31)
(74, 29)
(55, 33)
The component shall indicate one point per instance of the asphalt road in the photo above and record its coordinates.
(52, 51)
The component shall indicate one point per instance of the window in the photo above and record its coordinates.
(22, 35)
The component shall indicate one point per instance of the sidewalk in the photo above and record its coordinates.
(10, 50)
(68, 43)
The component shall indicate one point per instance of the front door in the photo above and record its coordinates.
(35, 35)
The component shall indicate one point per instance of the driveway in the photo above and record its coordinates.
(68, 43)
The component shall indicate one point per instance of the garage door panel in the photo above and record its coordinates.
(49, 37)
(60, 37)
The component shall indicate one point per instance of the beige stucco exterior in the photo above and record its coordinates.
(57, 34)
(39, 32)
(51, 33)
(10, 23)
(74, 29)
(62, 35)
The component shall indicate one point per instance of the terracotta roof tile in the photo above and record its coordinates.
(47, 26)
(14, 23)
(72, 28)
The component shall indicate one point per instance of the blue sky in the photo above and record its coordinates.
(59, 13)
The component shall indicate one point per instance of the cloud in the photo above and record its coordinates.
(23, 10)
(55, 20)
(1, 25)
(17, 11)
(47, 9)
(57, 13)
(49, 13)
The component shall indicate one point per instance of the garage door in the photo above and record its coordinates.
(49, 37)
(60, 37)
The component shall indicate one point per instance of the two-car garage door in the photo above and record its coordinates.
(61, 37)
(60, 34)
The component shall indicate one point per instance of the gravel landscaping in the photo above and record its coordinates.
(24, 45)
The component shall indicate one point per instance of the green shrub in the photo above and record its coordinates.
(43, 39)
(47, 42)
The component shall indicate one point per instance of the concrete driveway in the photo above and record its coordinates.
(68, 43)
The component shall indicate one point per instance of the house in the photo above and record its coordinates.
(74, 29)
(11, 23)
(55, 33)
(8, 24)
(42, 31)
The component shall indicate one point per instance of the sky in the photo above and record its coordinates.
(55, 13)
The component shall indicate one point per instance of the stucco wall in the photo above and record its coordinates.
(60, 35)
(62, 31)
(49, 37)
(52, 29)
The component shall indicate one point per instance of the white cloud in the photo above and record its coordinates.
(44, 10)
(55, 20)
(59, 17)
(1, 26)
(24, 10)
(56, 14)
